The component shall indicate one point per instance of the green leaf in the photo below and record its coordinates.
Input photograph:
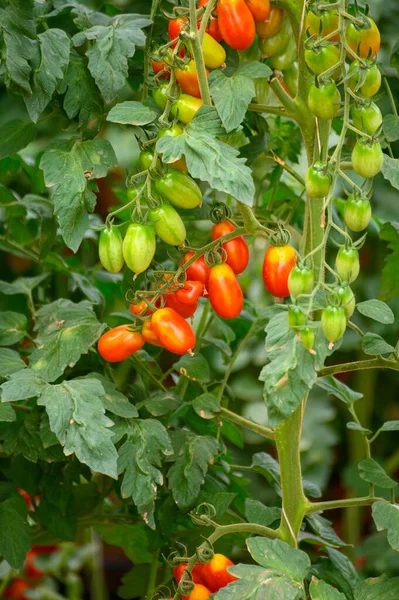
(187, 474)
(279, 557)
(390, 426)
(140, 460)
(14, 136)
(378, 588)
(390, 170)
(256, 583)
(77, 417)
(377, 310)
(131, 113)
(375, 344)
(194, 367)
(10, 362)
(390, 126)
(65, 332)
(109, 50)
(320, 590)
(206, 406)
(256, 512)
(356, 427)
(386, 516)
(49, 69)
(60, 523)
(15, 540)
(232, 95)
(86, 287)
(372, 472)
(133, 539)
(113, 401)
(22, 386)
(22, 285)
(390, 273)
(13, 327)
(7, 413)
(161, 403)
(209, 159)
(67, 169)
(333, 386)
(324, 530)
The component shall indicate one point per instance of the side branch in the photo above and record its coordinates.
(372, 363)
(247, 424)
(345, 503)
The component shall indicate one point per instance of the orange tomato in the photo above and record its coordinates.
(260, 9)
(187, 78)
(215, 572)
(272, 24)
(237, 249)
(195, 573)
(225, 294)
(174, 333)
(236, 23)
(364, 41)
(277, 266)
(183, 309)
(119, 343)
(200, 592)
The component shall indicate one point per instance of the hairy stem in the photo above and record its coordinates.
(247, 424)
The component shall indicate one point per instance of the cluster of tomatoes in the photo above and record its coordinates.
(207, 578)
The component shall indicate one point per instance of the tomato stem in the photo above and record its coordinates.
(198, 57)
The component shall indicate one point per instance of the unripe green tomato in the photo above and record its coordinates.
(262, 90)
(367, 158)
(307, 337)
(317, 181)
(347, 264)
(300, 281)
(286, 59)
(291, 79)
(333, 323)
(369, 81)
(296, 318)
(347, 299)
(159, 95)
(168, 224)
(185, 108)
(367, 118)
(139, 247)
(179, 189)
(277, 43)
(322, 59)
(357, 213)
(145, 160)
(324, 101)
(110, 249)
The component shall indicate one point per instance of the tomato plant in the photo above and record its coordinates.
(324, 101)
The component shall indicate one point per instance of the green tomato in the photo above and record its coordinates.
(333, 323)
(366, 81)
(185, 108)
(291, 79)
(357, 213)
(307, 337)
(139, 247)
(300, 281)
(277, 43)
(286, 59)
(262, 90)
(110, 249)
(179, 189)
(346, 299)
(173, 131)
(367, 158)
(324, 101)
(321, 21)
(347, 264)
(145, 161)
(317, 181)
(323, 58)
(168, 224)
(296, 318)
(367, 118)
(159, 95)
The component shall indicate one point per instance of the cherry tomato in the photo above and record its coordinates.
(174, 131)
(357, 213)
(236, 23)
(159, 96)
(16, 590)
(225, 294)
(185, 108)
(215, 572)
(333, 323)
(187, 78)
(260, 9)
(365, 41)
(196, 573)
(139, 247)
(272, 24)
(347, 299)
(277, 266)
(159, 64)
(110, 249)
(323, 58)
(175, 26)
(296, 318)
(213, 24)
(199, 270)
(367, 118)
(190, 293)
(146, 158)
(119, 343)
(300, 281)
(286, 59)
(367, 158)
(179, 189)
(237, 249)
(276, 43)
(199, 592)
(184, 310)
(149, 335)
(32, 572)
(173, 332)
(168, 224)
(307, 337)
(142, 308)
(317, 181)
(324, 101)
(347, 264)
(321, 22)
(367, 80)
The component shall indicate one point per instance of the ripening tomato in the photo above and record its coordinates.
(213, 24)
(347, 264)
(215, 572)
(199, 270)
(225, 293)
(110, 249)
(199, 592)
(214, 54)
(141, 308)
(276, 43)
(296, 318)
(187, 78)
(357, 213)
(139, 247)
(333, 323)
(196, 573)
(185, 108)
(175, 26)
(236, 249)
(190, 293)
(366, 40)
(149, 335)
(272, 24)
(300, 281)
(16, 590)
(347, 299)
(285, 60)
(277, 266)
(367, 158)
(168, 224)
(159, 95)
(173, 332)
(322, 58)
(367, 118)
(366, 80)
(184, 310)
(260, 9)
(119, 343)
(321, 22)
(318, 180)
(32, 572)
(324, 101)
(161, 64)
(307, 337)
(236, 24)
(179, 189)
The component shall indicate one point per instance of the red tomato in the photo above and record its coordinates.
(199, 270)
(142, 307)
(17, 589)
(190, 293)
(213, 24)
(196, 575)
(215, 572)
(119, 343)
(277, 266)
(45, 550)
(148, 334)
(31, 570)
(200, 592)
(174, 333)
(183, 309)
(187, 78)
(174, 28)
(236, 24)
(237, 249)
(162, 65)
(225, 294)
(260, 9)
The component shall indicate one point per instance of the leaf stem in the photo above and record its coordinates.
(247, 424)
(372, 363)
(344, 503)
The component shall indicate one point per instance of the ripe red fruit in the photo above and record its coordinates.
(200, 592)
(237, 249)
(215, 573)
(17, 589)
(196, 575)
(199, 270)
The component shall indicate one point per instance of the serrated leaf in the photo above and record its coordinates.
(15, 537)
(161, 403)
(390, 426)
(378, 588)
(256, 512)
(333, 386)
(140, 460)
(372, 472)
(377, 310)
(375, 345)
(390, 126)
(194, 367)
(267, 466)
(320, 590)
(7, 413)
(13, 327)
(113, 401)
(86, 287)
(10, 362)
(22, 285)
(187, 474)
(279, 557)
(386, 516)
(131, 113)
(51, 62)
(323, 528)
(390, 273)
(209, 159)
(390, 170)
(22, 386)
(14, 136)
(356, 427)
(206, 406)
(65, 332)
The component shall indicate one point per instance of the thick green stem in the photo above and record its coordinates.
(198, 56)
